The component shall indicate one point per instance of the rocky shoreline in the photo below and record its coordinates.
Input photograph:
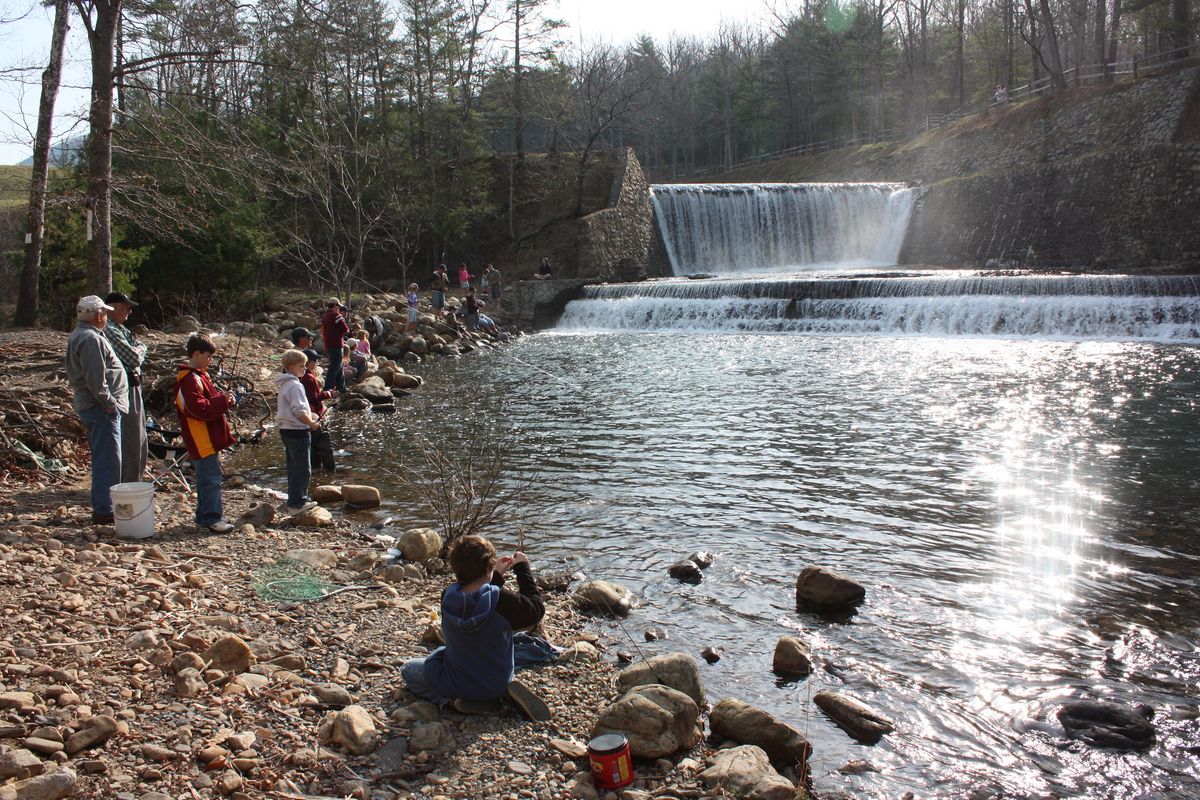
(166, 668)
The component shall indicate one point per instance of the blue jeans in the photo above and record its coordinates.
(335, 377)
(208, 489)
(296, 448)
(413, 674)
(104, 439)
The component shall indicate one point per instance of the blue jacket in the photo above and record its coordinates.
(476, 662)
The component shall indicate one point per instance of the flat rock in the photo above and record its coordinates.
(569, 747)
(317, 558)
(313, 518)
(98, 731)
(361, 496)
(745, 724)
(332, 695)
(1110, 725)
(863, 723)
(327, 494)
(17, 700)
(429, 736)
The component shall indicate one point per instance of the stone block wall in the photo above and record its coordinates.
(614, 242)
(536, 305)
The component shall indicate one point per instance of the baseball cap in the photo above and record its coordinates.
(311, 354)
(118, 297)
(298, 333)
(333, 301)
(92, 303)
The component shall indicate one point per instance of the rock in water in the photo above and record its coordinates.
(374, 389)
(1108, 724)
(791, 658)
(744, 723)
(361, 496)
(855, 718)
(702, 559)
(327, 494)
(657, 720)
(685, 571)
(747, 772)
(603, 597)
(676, 670)
(711, 654)
(420, 544)
(821, 589)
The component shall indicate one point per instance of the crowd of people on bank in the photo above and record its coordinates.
(481, 618)
(104, 363)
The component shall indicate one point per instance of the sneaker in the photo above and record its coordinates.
(464, 706)
(305, 506)
(532, 706)
(221, 526)
(103, 519)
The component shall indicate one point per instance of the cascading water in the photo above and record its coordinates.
(777, 227)
(944, 304)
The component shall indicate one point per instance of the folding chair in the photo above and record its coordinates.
(171, 454)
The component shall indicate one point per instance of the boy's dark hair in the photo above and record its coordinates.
(470, 558)
(200, 343)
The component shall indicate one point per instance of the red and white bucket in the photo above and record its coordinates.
(612, 764)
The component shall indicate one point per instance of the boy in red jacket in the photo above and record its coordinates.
(322, 444)
(201, 409)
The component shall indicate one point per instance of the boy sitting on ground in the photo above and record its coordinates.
(474, 669)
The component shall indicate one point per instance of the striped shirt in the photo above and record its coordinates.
(129, 350)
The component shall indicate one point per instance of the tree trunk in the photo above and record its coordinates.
(27, 295)
(1114, 28)
(518, 99)
(1181, 19)
(1101, 13)
(102, 33)
(1052, 57)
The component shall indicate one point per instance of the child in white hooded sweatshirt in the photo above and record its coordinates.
(296, 423)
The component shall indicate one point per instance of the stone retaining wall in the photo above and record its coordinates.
(536, 305)
(613, 243)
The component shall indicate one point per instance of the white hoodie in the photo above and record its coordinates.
(293, 413)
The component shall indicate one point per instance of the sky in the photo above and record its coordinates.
(25, 40)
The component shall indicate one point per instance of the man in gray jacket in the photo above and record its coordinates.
(101, 389)
(132, 353)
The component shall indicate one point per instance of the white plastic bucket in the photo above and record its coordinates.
(133, 508)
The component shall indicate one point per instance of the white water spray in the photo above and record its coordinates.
(775, 227)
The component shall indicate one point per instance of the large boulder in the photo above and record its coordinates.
(746, 771)
(418, 345)
(327, 494)
(361, 496)
(402, 380)
(313, 518)
(1108, 724)
(604, 597)
(657, 720)
(351, 728)
(677, 670)
(745, 724)
(857, 719)
(791, 658)
(374, 389)
(420, 544)
(821, 589)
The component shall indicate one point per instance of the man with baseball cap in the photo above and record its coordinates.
(334, 329)
(132, 353)
(101, 397)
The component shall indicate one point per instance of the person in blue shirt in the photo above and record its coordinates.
(474, 669)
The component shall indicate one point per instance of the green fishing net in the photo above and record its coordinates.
(289, 580)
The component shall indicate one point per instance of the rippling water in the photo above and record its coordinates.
(1023, 513)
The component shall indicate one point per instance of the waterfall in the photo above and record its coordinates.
(780, 227)
(927, 304)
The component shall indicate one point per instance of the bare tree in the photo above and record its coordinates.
(27, 294)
